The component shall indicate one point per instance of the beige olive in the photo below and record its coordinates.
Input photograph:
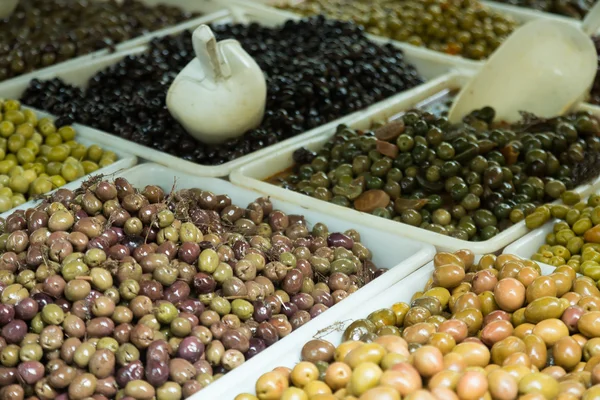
(509, 294)
(535, 348)
(448, 276)
(589, 324)
(538, 382)
(504, 348)
(545, 308)
(445, 378)
(472, 385)
(496, 331)
(551, 330)
(368, 352)
(502, 385)
(364, 377)
(474, 354)
(270, 386)
(403, 377)
(567, 353)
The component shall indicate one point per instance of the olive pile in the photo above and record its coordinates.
(595, 92)
(41, 33)
(36, 157)
(496, 329)
(460, 27)
(575, 239)
(317, 70)
(570, 8)
(469, 181)
(109, 292)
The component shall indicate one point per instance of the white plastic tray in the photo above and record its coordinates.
(529, 244)
(520, 14)
(252, 175)
(84, 136)
(243, 379)
(430, 66)
(528, 13)
(402, 256)
(202, 6)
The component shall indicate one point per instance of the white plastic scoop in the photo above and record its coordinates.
(7, 7)
(544, 67)
(221, 93)
(591, 22)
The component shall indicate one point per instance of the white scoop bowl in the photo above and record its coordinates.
(7, 7)
(544, 67)
(221, 93)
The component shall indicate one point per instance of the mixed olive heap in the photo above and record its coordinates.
(113, 292)
(595, 92)
(41, 33)
(317, 71)
(461, 27)
(496, 329)
(575, 238)
(36, 157)
(570, 8)
(469, 181)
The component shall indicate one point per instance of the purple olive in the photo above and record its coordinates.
(64, 304)
(93, 295)
(100, 327)
(268, 333)
(192, 306)
(262, 311)
(15, 222)
(8, 376)
(63, 196)
(38, 219)
(571, 316)
(132, 242)
(14, 331)
(234, 339)
(340, 240)
(299, 319)
(157, 372)
(34, 256)
(7, 314)
(131, 372)
(26, 309)
(98, 243)
(30, 371)
(168, 248)
(240, 248)
(190, 349)
(177, 292)
(111, 236)
(189, 252)
(152, 289)
(204, 283)
(322, 297)
(303, 301)
(256, 346)
(42, 299)
(289, 309)
(9, 261)
(317, 310)
(203, 367)
(158, 350)
(118, 252)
